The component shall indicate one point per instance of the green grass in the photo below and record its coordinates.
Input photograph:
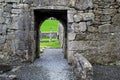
(49, 25)
(47, 39)
(52, 44)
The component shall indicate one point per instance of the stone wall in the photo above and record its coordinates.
(47, 34)
(15, 31)
(82, 68)
(93, 29)
(96, 33)
(61, 34)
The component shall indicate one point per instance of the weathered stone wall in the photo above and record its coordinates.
(15, 30)
(82, 68)
(93, 28)
(104, 33)
(48, 34)
(96, 33)
(61, 34)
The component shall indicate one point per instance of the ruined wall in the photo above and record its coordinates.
(93, 28)
(15, 30)
(61, 34)
(105, 32)
(96, 34)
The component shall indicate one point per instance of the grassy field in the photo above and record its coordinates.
(49, 25)
(46, 44)
(47, 39)
(46, 27)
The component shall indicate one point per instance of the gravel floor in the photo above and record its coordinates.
(51, 66)
(106, 72)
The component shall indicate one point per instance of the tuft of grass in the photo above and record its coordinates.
(49, 25)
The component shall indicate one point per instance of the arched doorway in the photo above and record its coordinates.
(51, 34)
(40, 15)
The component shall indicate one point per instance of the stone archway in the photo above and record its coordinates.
(42, 14)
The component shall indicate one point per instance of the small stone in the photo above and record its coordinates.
(116, 20)
(77, 17)
(82, 26)
(2, 19)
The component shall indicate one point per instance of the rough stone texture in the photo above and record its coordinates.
(93, 28)
(60, 34)
(47, 34)
(82, 68)
(81, 4)
(116, 20)
(8, 77)
(5, 68)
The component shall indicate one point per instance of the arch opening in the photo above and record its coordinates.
(51, 33)
(40, 16)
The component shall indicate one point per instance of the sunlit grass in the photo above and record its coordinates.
(45, 43)
(49, 25)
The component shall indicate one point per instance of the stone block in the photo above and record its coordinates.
(92, 29)
(118, 0)
(61, 2)
(71, 36)
(83, 16)
(4, 30)
(2, 39)
(70, 56)
(1, 28)
(81, 27)
(8, 8)
(84, 4)
(16, 11)
(109, 11)
(116, 20)
(80, 36)
(20, 35)
(82, 67)
(108, 1)
(97, 36)
(88, 16)
(1, 12)
(28, 1)
(106, 28)
(77, 45)
(7, 15)
(70, 15)
(20, 45)
(78, 17)
(1, 55)
(75, 27)
(13, 1)
(2, 0)
(10, 36)
(105, 17)
(2, 19)
(8, 21)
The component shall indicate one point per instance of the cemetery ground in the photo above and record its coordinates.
(52, 25)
